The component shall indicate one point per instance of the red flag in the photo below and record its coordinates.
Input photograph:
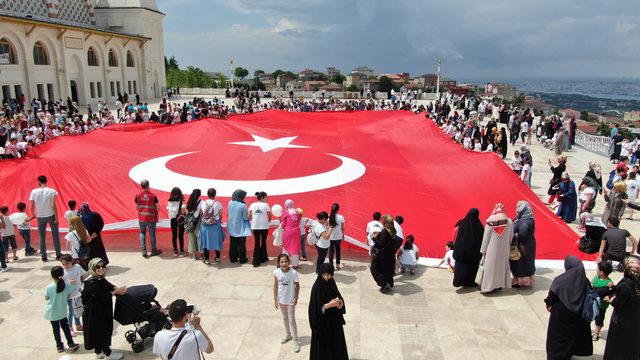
(392, 162)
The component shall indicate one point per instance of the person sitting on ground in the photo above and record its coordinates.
(448, 257)
(408, 256)
(613, 246)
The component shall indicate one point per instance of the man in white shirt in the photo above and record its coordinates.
(374, 227)
(191, 343)
(43, 207)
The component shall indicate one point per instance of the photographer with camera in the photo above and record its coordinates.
(181, 343)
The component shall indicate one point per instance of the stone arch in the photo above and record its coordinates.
(100, 52)
(17, 44)
(43, 37)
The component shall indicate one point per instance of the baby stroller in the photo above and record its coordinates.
(139, 307)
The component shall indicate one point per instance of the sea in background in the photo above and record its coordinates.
(623, 89)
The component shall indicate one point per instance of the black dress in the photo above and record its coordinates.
(526, 265)
(623, 339)
(97, 319)
(568, 334)
(327, 330)
(384, 265)
(466, 251)
(94, 224)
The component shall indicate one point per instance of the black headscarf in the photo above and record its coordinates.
(469, 238)
(571, 286)
(239, 195)
(323, 292)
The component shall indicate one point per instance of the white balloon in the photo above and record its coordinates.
(276, 210)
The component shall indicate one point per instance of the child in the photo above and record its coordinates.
(448, 257)
(633, 187)
(408, 256)
(71, 212)
(8, 234)
(603, 285)
(73, 274)
(286, 288)
(56, 295)
(21, 221)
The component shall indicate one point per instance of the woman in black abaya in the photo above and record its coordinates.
(623, 339)
(466, 251)
(383, 263)
(568, 334)
(524, 228)
(93, 223)
(326, 318)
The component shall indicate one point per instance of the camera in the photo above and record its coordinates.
(192, 309)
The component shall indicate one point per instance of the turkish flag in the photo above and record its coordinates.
(392, 162)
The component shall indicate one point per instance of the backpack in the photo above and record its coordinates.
(83, 250)
(208, 217)
(190, 221)
(588, 245)
(609, 185)
(591, 304)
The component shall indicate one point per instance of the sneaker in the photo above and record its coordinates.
(5, 269)
(402, 270)
(181, 254)
(115, 356)
(144, 254)
(285, 339)
(73, 348)
(207, 262)
(60, 350)
(100, 356)
(156, 253)
(175, 254)
(15, 258)
(296, 346)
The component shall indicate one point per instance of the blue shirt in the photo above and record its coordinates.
(56, 308)
(614, 131)
(238, 222)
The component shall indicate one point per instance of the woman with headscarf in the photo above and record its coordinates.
(623, 339)
(290, 220)
(615, 202)
(238, 227)
(93, 223)
(524, 229)
(496, 246)
(595, 173)
(98, 310)
(568, 198)
(568, 334)
(326, 318)
(383, 262)
(503, 142)
(466, 252)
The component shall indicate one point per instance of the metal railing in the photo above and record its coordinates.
(597, 144)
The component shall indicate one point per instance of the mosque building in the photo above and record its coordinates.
(87, 50)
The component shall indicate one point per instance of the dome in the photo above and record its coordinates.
(147, 4)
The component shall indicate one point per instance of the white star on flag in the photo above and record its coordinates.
(267, 144)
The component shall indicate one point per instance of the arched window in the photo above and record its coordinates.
(130, 61)
(92, 57)
(7, 52)
(113, 59)
(40, 56)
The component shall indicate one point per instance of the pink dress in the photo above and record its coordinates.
(291, 238)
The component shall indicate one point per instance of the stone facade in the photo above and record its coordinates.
(93, 50)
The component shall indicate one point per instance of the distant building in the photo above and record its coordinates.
(307, 74)
(371, 85)
(332, 87)
(313, 85)
(533, 102)
(355, 79)
(294, 85)
(446, 83)
(570, 113)
(331, 72)
(632, 115)
(398, 79)
(501, 90)
(364, 70)
(282, 80)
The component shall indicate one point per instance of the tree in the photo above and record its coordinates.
(338, 78)
(171, 63)
(584, 115)
(258, 85)
(192, 77)
(319, 77)
(258, 73)
(518, 100)
(240, 72)
(352, 88)
(385, 84)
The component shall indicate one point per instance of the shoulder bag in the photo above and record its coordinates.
(174, 348)
(180, 217)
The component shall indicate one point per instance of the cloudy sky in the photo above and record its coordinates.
(476, 39)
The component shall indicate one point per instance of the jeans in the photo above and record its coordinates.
(42, 235)
(56, 325)
(260, 246)
(71, 319)
(26, 236)
(289, 320)
(177, 233)
(303, 246)
(238, 249)
(335, 244)
(152, 235)
(322, 255)
(3, 259)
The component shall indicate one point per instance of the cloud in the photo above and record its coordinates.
(506, 38)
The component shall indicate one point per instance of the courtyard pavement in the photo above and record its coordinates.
(423, 318)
